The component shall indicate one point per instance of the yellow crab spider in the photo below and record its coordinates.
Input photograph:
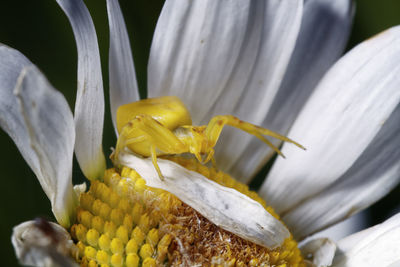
(162, 126)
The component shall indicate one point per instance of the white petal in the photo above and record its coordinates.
(376, 246)
(225, 207)
(35, 132)
(43, 244)
(123, 84)
(89, 105)
(348, 242)
(224, 57)
(250, 101)
(11, 64)
(375, 173)
(195, 47)
(323, 35)
(343, 116)
(319, 251)
(80, 189)
(345, 228)
(50, 130)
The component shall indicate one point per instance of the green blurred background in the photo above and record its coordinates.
(41, 31)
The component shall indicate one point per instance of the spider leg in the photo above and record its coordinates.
(217, 123)
(153, 152)
(210, 156)
(135, 140)
(144, 135)
(154, 160)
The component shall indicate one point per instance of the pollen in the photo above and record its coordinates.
(123, 222)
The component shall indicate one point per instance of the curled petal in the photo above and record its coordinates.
(50, 130)
(42, 244)
(225, 207)
(319, 251)
(40, 123)
(89, 105)
(375, 246)
(12, 63)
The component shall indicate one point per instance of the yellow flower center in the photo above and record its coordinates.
(123, 222)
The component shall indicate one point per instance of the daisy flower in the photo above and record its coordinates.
(271, 63)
